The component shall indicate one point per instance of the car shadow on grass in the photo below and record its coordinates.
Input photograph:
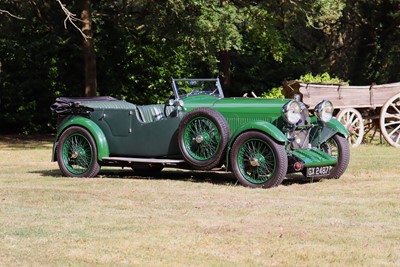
(297, 178)
(212, 177)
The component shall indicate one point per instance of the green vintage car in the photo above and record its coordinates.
(259, 140)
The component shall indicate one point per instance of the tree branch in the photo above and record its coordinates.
(8, 13)
(71, 17)
(41, 17)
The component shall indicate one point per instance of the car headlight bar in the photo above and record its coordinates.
(324, 111)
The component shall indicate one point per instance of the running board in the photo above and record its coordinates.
(144, 160)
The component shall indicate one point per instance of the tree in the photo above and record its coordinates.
(136, 46)
(367, 48)
(89, 54)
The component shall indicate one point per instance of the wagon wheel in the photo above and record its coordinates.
(389, 120)
(372, 131)
(353, 122)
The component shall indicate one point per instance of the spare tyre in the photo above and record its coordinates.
(203, 136)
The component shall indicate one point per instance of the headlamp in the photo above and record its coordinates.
(324, 111)
(292, 111)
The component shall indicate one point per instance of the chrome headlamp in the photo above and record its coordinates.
(324, 111)
(292, 111)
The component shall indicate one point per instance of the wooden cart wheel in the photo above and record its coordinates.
(372, 130)
(389, 120)
(353, 122)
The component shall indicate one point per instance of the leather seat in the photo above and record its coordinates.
(151, 113)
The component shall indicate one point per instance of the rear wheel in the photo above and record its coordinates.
(77, 153)
(258, 161)
(203, 135)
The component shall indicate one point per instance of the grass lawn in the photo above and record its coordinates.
(184, 218)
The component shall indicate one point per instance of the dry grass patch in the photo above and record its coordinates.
(185, 218)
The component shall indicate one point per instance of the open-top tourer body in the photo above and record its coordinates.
(260, 140)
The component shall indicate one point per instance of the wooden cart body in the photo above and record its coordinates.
(375, 106)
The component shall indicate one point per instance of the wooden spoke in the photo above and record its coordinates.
(389, 120)
(353, 122)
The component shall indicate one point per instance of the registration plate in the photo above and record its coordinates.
(318, 171)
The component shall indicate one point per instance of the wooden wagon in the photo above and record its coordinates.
(362, 109)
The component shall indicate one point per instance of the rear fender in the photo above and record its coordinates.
(93, 128)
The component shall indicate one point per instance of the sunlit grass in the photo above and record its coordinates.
(182, 218)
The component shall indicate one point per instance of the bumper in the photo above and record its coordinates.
(314, 158)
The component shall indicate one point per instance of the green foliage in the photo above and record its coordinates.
(320, 78)
(324, 14)
(275, 92)
(216, 28)
(141, 44)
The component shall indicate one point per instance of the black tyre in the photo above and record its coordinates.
(338, 147)
(258, 161)
(77, 153)
(203, 135)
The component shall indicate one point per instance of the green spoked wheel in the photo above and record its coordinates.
(258, 161)
(203, 135)
(338, 147)
(77, 153)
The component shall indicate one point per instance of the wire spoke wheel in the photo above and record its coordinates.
(77, 153)
(390, 121)
(202, 137)
(258, 161)
(338, 147)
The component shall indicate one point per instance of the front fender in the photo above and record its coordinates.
(320, 135)
(93, 128)
(334, 124)
(261, 126)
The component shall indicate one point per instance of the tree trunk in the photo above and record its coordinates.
(225, 58)
(226, 68)
(89, 54)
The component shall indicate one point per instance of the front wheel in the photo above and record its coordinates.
(77, 153)
(258, 161)
(338, 147)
